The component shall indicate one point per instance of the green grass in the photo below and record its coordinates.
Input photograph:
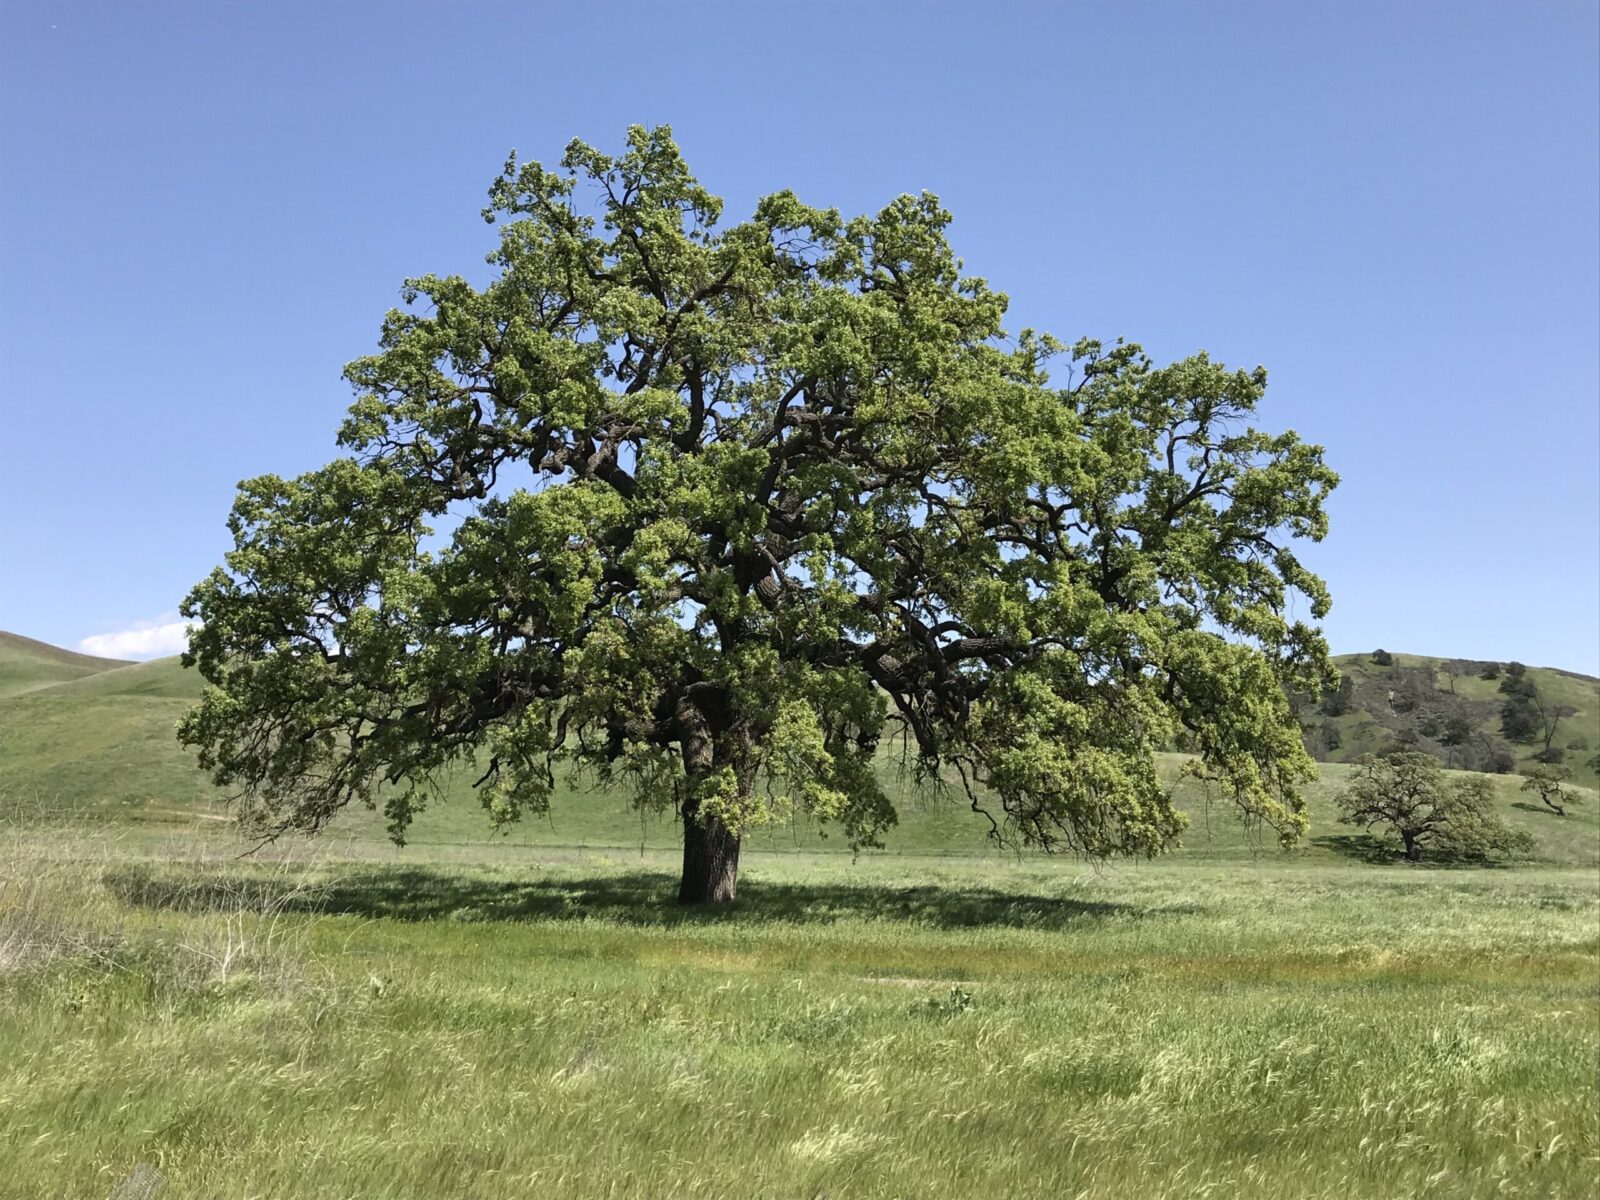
(27, 665)
(104, 744)
(554, 1026)
(486, 1016)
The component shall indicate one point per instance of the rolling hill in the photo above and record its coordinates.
(92, 740)
(27, 665)
(1452, 708)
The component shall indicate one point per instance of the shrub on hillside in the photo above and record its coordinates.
(1498, 759)
(1342, 700)
(1516, 682)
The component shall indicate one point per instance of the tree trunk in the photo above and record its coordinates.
(710, 848)
(1413, 848)
(710, 861)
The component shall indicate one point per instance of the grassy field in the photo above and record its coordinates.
(550, 1025)
(481, 1016)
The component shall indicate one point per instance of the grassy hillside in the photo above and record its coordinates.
(27, 665)
(101, 748)
(1413, 701)
(103, 744)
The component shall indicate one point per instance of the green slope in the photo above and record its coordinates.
(103, 743)
(162, 678)
(27, 665)
(101, 747)
(1411, 700)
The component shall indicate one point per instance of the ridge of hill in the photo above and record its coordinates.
(27, 665)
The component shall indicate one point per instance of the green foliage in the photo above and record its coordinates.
(758, 496)
(1457, 730)
(1340, 700)
(1406, 797)
(1500, 760)
(1519, 718)
(1382, 658)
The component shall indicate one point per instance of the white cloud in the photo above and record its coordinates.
(144, 639)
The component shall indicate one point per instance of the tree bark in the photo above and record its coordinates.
(1413, 848)
(710, 860)
(710, 848)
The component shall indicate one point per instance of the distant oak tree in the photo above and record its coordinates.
(1405, 795)
(719, 513)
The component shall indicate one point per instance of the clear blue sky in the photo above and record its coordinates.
(205, 208)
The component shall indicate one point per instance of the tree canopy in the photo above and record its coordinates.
(724, 512)
(1406, 796)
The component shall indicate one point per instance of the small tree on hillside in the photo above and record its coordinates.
(1340, 700)
(1455, 733)
(1407, 796)
(1528, 715)
(1498, 757)
(1519, 718)
(729, 505)
(1549, 783)
(1457, 668)
(1382, 657)
(1551, 715)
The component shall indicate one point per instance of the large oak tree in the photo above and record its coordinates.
(725, 512)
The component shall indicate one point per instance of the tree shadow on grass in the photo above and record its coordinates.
(1367, 848)
(1538, 809)
(1363, 847)
(640, 898)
